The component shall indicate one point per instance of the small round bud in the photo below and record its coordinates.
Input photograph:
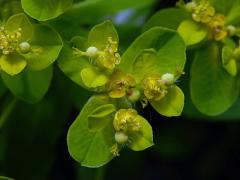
(168, 78)
(121, 137)
(133, 95)
(92, 51)
(231, 30)
(24, 47)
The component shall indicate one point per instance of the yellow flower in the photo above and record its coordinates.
(203, 12)
(109, 57)
(154, 88)
(9, 42)
(126, 120)
(119, 84)
(217, 27)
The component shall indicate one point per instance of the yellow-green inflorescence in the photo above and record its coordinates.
(125, 122)
(10, 42)
(106, 58)
(204, 12)
(156, 87)
(120, 84)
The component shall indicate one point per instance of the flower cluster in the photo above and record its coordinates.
(106, 58)
(9, 42)
(125, 122)
(205, 13)
(156, 87)
(119, 84)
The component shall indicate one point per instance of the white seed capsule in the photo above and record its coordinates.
(92, 51)
(25, 47)
(168, 78)
(121, 137)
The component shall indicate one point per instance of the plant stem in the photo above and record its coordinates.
(100, 173)
(7, 111)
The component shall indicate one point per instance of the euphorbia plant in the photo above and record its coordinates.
(122, 81)
(145, 73)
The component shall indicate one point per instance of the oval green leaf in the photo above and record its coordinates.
(172, 104)
(192, 32)
(213, 90)
(91, 149)
(12, 64)
(169, 18)
(99, 34)
(100, 117)
(144, 138)
(20, 21)
(163, 41)
(46, 45)
(43, 10)
(93, 78)
(72, 65)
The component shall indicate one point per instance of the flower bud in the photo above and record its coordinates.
(121, 137)
(133, 95)
(24, 47)
(92, 51)
(168, 78)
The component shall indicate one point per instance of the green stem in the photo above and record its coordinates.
(100, 173)
(7, 111)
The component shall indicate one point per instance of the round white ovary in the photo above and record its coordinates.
(24, 47)
(92, 51)
(121, 137)
(168, 78)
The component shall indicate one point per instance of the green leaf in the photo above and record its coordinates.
(163, 41)
(20, 21)
(43, 10)
(95, 9)
(143, 139)
(46, 45)
(72, 65)
(172, 104)
(99, 34)
(213, 90)
(100, 117)
(29, 86)
(91, 149)
(12, 64)
(5, 178)
(192, 32)
(145, 64)
(169, 18)
(229, 63)
(93, 78)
